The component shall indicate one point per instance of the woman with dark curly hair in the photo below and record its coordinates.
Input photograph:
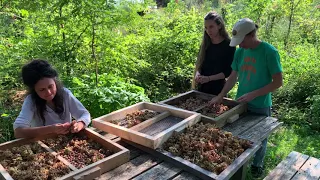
(49, 107)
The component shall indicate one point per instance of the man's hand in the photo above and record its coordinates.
(217, 100)
(77, 126)
(61, 128)
(247, 97)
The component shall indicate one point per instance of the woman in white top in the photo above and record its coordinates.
(49, 107)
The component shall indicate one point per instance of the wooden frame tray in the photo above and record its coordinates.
(120, 156)
(196, 170)
(227, 117)
(164, 123)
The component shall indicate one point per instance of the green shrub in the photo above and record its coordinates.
(111, 93)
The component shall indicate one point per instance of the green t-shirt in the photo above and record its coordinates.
(255, 68)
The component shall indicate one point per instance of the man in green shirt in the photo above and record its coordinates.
(256, 65)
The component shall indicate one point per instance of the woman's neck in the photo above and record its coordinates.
(217, 39)
(51, 104)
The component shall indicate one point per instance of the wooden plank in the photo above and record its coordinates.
(185, 176)
(201, 107)
(148, 122)
(309, 171)
(109, 144)
(222, 119)
(105, 164)
(121, 113)
(142, 138)
(109, 136)
(131, 168)
(161, 126)
(121, 155)
(239, 162)
(163, 136)
(63, 160)
(243, 124)
(90, 174)
(287, 168)
(4, 175)
(125, 133)
(173, 110)
(241, 173)
(162, 171)
(261, 130)
(174, 99)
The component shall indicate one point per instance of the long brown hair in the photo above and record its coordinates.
(31, 74)
(206, 40)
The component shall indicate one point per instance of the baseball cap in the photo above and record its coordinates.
(240, 30)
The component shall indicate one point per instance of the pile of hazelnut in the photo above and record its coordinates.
(207, 146)
(78, 149)
(135, 118)
(214, 111)
(32, 162)
(191, 103)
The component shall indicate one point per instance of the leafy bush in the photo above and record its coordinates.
(314, 114)
(111, 93)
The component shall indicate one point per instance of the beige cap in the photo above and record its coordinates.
(240, 30)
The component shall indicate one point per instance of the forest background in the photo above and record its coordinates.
(112, 54)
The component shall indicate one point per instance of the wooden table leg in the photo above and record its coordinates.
(241, 173)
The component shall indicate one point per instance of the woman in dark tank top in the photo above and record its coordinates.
(213, 65)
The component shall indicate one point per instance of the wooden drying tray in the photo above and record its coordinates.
(196, 170)
(121, 155)
(138, 133)
(229, 116)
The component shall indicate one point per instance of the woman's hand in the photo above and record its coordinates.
(77, 126)
(203, 79)
(196, 77)
(61, 128)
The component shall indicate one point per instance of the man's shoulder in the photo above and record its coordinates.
(269, 47)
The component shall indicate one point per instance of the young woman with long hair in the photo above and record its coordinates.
(49, 107)
(213, 64)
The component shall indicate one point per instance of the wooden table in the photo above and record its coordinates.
(143, 165)
(296, 166)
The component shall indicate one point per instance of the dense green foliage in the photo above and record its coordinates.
(111, 57)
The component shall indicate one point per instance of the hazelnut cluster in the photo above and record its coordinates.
(214, 111)
(191, 103)
(135, 118)
(78, 149)
(207, 146)
(32, 162)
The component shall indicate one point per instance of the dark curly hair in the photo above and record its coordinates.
(33, 72)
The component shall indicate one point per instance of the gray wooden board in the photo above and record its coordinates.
(161, 171)
(161, 125)
(309, 171)
(134, 152)
(131, 169)
(261, 130)
(185, 176)
(287, 168)
(243, 124)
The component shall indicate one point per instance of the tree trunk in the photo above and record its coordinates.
(66, 59)
(291, 17)
(94, 58)
(290, 22)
